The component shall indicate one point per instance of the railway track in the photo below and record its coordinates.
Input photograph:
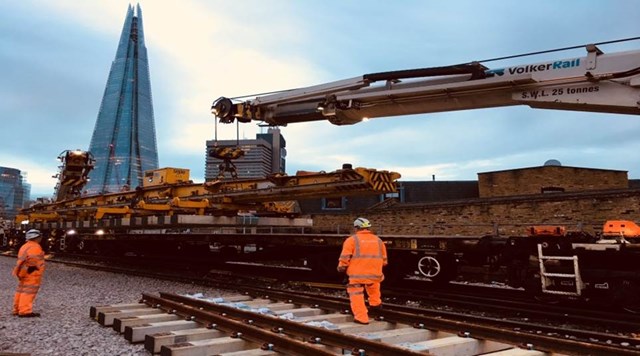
(498, 302)
(565, 321)
(504, 325)
(454, 330)
(246, 324)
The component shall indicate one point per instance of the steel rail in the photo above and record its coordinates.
(507, 331)
(221, 315)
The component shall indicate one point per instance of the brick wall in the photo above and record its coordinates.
(506, 215)
(532, 180)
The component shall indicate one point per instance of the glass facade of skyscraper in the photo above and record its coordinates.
(14, 192)
(124, 138)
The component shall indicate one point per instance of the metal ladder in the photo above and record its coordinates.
(546, 277)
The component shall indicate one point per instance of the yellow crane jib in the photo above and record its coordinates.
(169, 191)
(144, 206)
(38, 217)
(306, 185)
(121, 211)
(198, 206)
(382, 181)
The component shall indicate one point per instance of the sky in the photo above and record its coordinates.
(55, 57)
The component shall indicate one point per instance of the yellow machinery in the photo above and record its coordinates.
(169, 191)
(165, 176)
(74, 173)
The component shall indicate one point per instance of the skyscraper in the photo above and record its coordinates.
(14, 192)
(124, 138)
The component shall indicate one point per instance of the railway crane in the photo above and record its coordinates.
(171, 211)
(565, 263)
(596, 82)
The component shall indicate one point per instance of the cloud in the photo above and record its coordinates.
(199, 51)
(40, 178)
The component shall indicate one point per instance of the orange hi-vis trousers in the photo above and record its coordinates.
(25, 294)
(356, 297)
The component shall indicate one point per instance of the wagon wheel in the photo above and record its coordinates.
(429, 267)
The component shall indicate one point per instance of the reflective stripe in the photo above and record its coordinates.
(355, 289)
(31, 286)
(28, 290)
(365, 276)
(357, 246)
(357, 253)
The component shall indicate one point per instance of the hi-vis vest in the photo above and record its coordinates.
(30, 255)
(363, 254)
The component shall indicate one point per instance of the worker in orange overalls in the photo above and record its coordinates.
(362, 258)
(28, 270)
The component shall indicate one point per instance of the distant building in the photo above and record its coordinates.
(549, 179)
(278, 150)
(502, 202)
(263, 156)
(409, 192)
(520, 182)
(124, 138)
(14, 192)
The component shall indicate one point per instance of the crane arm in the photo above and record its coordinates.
(597, 82)
(221, 197)
(74, 173)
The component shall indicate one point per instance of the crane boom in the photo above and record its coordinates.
(168, 191)
(597, 82)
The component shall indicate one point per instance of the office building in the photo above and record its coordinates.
(263, 156)
(14, 192)
(124, 138)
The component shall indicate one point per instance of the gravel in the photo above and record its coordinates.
(64, 299)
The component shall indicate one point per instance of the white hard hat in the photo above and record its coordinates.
(361, 223)
(32, 234)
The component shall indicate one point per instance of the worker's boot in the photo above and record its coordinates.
(30, 315)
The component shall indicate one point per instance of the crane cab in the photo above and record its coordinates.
(164, 176)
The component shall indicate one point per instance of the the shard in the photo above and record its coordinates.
(124, 138)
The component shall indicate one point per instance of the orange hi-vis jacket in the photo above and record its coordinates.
(363, 254)
(30, 255)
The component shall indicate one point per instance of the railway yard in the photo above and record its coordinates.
(181, 268)
(538, 261)
(135, 308)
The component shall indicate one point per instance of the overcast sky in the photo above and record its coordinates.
(55, 57)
